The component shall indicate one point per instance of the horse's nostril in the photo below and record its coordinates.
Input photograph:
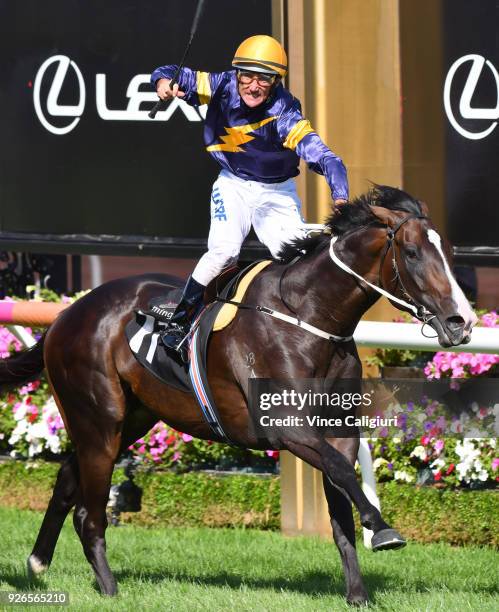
(455, 323)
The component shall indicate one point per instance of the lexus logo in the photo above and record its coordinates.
(54, 109)
(465, 109)
(133, 112)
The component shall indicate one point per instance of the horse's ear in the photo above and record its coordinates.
(424, 208)
(385, 216)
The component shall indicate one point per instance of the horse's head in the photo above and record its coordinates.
(416, 267)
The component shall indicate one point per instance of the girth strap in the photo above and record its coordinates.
(293, 320)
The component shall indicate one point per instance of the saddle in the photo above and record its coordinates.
(143, 333)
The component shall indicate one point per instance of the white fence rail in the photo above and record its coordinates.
(408, 336)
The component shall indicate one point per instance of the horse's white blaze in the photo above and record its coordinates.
(463, 307)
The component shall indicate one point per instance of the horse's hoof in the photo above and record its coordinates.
(35, 567)
(387, 539)
(358, 600)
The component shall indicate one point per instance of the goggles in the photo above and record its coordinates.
(264, 80)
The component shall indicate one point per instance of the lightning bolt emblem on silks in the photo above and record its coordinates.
(238, 135)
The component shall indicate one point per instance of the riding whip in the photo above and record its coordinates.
(162, 104)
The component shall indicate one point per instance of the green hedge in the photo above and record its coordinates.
(422, 514)
(195, 498)
(428, 514)
(189, 499)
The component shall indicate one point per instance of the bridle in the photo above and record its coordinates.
(419, 311)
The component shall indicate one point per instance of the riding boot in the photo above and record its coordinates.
(185, 313)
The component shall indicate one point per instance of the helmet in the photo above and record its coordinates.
(261, 54)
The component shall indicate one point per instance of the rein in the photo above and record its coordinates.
(419, 311)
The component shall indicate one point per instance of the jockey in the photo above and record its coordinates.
(255, 130)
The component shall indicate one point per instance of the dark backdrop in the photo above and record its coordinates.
(116, 177)
(472, 165)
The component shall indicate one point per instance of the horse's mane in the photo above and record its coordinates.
(357, 213)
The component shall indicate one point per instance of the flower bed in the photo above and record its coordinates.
(434, 457)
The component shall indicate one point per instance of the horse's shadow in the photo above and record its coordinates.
(309, 583)
(20, 581)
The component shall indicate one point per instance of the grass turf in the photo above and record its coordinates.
(221, 569)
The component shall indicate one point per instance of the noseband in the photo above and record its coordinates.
(419, 311)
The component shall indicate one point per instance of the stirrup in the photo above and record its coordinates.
(173, 335)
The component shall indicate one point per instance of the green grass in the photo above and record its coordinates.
(189, 569)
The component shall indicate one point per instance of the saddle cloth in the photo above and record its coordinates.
(144, 330)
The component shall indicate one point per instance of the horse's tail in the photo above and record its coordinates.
(22, 366)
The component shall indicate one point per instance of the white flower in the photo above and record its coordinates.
(378, 463)
(35, 448)
(20, 413)
(403, 476)
(437, 465)
(54, 444)
(419, 452)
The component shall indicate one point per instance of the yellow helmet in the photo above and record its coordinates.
(261, 54)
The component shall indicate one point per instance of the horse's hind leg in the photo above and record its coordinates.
(94, 415)
(65, 494)
(97, 454)
(96, 463)
(340, 511)
(63, 499)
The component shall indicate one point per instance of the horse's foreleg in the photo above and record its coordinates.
(341, 474)
(340, 511)
(63, 499)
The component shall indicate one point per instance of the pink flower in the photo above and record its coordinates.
(272, 453)
(186, 437)
(495, 464)
(490, 319)
(176, 456)
(439, 445)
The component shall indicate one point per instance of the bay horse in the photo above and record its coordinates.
(383, 241)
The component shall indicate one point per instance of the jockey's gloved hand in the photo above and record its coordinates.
(165, 93)
(338, 203)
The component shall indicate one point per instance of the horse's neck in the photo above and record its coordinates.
(327, 296)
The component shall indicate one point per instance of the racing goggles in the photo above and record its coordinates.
(245, 77)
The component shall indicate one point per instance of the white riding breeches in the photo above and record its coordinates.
(274, 210)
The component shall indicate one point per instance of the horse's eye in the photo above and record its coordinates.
(411, 252)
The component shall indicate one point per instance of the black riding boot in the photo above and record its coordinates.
(187, 310)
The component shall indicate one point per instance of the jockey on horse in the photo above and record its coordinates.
(256, 131)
